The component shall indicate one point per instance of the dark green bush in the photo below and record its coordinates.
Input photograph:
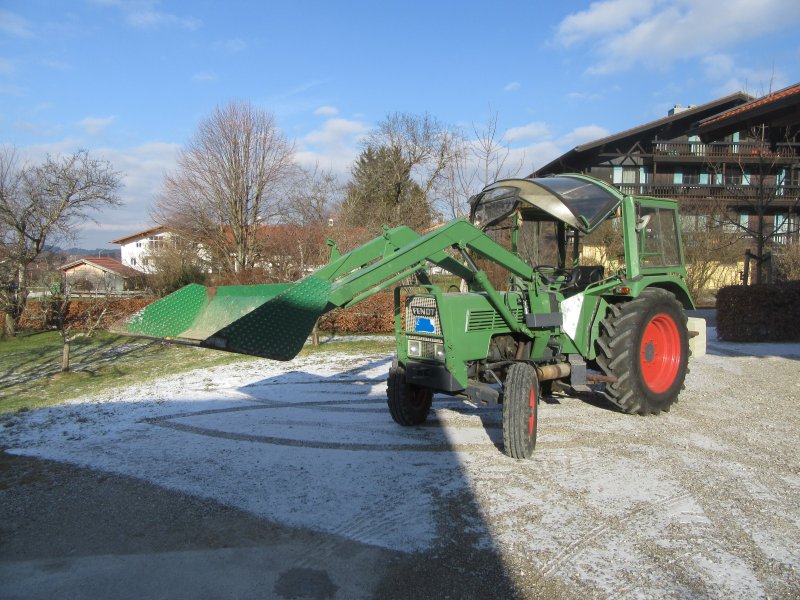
(759, 313)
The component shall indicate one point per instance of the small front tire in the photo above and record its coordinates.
(520, 411)
(408, 404)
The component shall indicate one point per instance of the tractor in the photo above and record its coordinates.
(559, 280)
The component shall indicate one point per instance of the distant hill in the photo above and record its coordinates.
(114, 253)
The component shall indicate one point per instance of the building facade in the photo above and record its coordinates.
(720, 165)
(137, 247)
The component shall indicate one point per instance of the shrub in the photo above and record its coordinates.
(759, 313)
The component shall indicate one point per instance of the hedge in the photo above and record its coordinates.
(373, 315)
(759, 313)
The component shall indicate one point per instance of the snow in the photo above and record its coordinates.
(612, 502)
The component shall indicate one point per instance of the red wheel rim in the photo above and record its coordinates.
(532, 418)
(660, 353)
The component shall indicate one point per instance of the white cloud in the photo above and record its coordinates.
(234, 45)
(656, 33)
(602, 18)
(334, 146)
(143, 14)
(153, 19)
(326, 111)
(512, 86)
(530, 131)
(7, 67)
(96, 125)
(204, 76)
(142, 169)
(736, 78)
(14, 25)
(581, 135)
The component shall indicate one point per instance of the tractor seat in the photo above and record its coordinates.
(584, 275)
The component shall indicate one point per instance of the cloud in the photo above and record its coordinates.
(602, 18)
(582, 134)
(334, 146)
(512, 87)
(205, 76)
(735, 77)
(14, 25)
(96, 125)
(7, 67)
(142, 170)
(143, 14)
(234, 45)
(326, 111)
(527, 132)
(656, 33)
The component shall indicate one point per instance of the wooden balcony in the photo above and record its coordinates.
(724, 152)
(730, 194)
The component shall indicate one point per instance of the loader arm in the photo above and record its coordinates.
(274, 321)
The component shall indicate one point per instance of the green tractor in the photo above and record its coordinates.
(562, 279)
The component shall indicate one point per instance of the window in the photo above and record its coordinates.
(133, 262)
(138, 244)
(658, 237)
(693, 176)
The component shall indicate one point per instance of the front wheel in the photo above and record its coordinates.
(520, 411)
(408, 404)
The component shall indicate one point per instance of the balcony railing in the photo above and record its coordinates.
(722, 150)
(780, 195)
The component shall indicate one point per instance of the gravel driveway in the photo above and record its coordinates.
(290, 480)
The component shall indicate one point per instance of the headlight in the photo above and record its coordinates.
(439, 351)
(414, 348)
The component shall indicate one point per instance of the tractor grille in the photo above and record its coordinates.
(422, 316)
(427, 347)
(489, 320)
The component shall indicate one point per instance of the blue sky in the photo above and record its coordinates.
(129, 80)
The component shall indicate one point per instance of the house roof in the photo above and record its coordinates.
(139, 235)
(781, 108)
(108, 265)
(668, 127)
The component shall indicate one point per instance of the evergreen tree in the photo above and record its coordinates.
(381, 191)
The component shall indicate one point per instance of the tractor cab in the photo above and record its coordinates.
(546, 222)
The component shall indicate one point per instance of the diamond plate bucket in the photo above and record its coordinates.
(269, 320)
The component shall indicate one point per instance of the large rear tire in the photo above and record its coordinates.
(644, 344)
(408, 404)
(520, 411)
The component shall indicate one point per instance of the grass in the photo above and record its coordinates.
(30, 364)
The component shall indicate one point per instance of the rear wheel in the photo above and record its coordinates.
(645, 346)
(408, 404)
(520, 411)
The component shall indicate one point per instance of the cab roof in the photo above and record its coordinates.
(580, 201)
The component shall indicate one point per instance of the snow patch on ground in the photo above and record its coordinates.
(674, 505)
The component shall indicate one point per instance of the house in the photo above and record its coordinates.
(104, 275)
(707, 158)
(136, 247)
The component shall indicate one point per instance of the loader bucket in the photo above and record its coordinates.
(269, 320)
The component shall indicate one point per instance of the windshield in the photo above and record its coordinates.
(579, 201)
(494, 206)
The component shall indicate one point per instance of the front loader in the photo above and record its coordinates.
(563, 279)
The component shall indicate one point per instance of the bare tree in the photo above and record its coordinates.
(479, 161)
(758, 187)
(712, 249)
(422, 148)
(174, 263)
(41, 203)
(229, 182)
(314, 198)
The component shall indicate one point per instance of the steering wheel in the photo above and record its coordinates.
(553, 275)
